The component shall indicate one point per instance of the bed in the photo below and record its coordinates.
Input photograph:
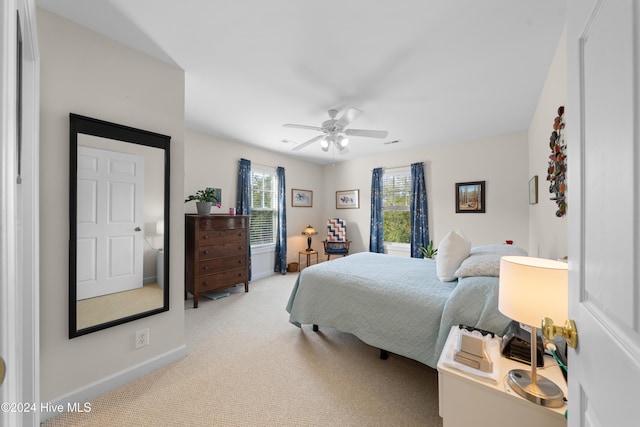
(398, 304)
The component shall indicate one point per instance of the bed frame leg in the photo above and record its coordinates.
(315, 328)
(384, 354)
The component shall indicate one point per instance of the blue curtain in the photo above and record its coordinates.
(418, 209)
(376, 234)
(281, 232)
(243, 196)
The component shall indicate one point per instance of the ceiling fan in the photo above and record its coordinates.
(335, 132)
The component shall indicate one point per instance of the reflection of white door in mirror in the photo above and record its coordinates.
(128, 256)
(110, 188)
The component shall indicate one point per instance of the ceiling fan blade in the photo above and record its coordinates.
(367, 133)
(309, 142)
(349, 115)
(289, 125)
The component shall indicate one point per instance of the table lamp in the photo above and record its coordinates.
(309, 231)
(531, 289)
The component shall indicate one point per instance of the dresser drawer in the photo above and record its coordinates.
(223, 279)
(221, 264)
(214, 222)
(222, 250)
(207, 237)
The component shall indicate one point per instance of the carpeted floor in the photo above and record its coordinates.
(93, 311)
(248, 366)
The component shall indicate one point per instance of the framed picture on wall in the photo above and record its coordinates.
(533, 190)
(470, 197)
(301, 198)
(217, 192)
(348, 199)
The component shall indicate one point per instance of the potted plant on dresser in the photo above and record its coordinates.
(204, 200)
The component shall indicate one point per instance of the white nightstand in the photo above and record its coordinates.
(468, 400)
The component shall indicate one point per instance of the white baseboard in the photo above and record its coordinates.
(261, 275)
(105, 385)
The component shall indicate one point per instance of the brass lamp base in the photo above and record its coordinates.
(543, 392)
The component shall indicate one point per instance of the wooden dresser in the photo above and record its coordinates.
(216, 253)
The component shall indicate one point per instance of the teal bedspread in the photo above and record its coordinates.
(393, 303)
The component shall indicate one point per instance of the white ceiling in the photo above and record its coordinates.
(428, 71)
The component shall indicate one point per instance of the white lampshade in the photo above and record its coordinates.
(533, 288)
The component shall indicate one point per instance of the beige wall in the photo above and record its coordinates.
(500, 160)
(85, 73)
(547, 232)
(213, 162)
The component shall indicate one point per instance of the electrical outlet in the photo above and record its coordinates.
(142, 338)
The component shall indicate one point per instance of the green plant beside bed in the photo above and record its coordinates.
(429, 251)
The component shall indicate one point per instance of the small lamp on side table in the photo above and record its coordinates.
(531, 289)
(309, 231)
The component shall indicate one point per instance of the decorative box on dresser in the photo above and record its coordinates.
(216, 253)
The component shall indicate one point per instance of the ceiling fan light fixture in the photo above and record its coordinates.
(342, 142)
(335, 131)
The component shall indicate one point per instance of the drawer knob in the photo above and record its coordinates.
(206, 267)
(205, 283)
(206, 236)
(206, 252)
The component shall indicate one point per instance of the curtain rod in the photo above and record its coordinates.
(266, 166)
(396, 168)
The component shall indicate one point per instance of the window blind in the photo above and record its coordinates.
(263, 207)
(396, 200)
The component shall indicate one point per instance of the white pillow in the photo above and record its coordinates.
(485, 260)
(500, 249)
(452, 250)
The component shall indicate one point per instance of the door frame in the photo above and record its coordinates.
(19, 215)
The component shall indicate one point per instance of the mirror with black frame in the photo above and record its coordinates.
(119, 224)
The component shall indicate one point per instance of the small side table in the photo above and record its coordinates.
(468, 400)
(308, 254)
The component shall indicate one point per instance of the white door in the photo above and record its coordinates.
(110, 227)
(603, 131)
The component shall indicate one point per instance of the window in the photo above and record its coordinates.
(263, 207)
(396, 199)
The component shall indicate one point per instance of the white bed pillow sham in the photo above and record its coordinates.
(452, 250)
(485, 260)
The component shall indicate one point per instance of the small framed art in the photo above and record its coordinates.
(301, 198)
(348, 199)
(533, 190)
(470, 197)
(217, 193)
